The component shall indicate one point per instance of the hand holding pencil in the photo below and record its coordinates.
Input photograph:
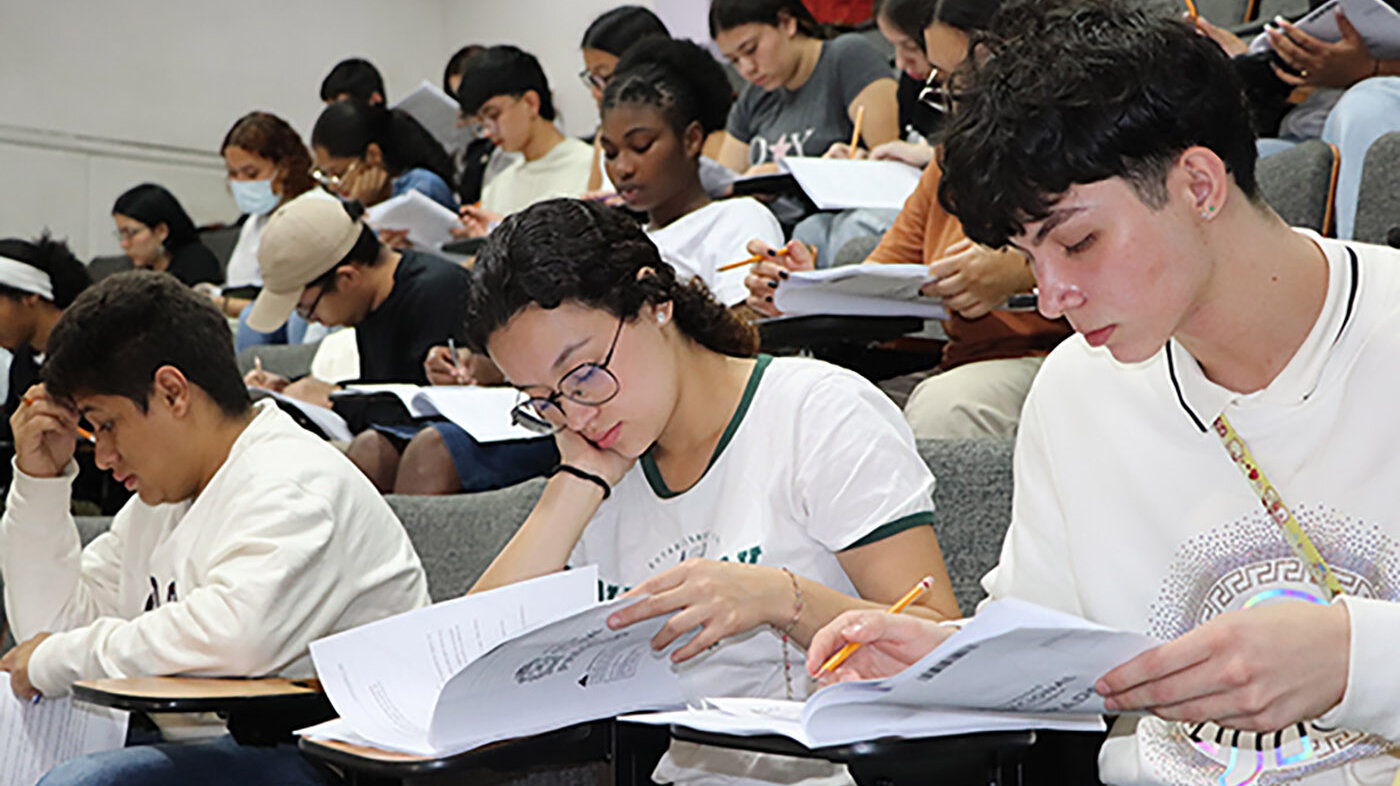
(768, 267)
(877, 643)
(45, 433)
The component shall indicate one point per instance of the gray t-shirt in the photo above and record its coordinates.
(806, 121)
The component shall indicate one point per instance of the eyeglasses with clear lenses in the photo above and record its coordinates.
(935, 95)
(589, 384)
(592, 80)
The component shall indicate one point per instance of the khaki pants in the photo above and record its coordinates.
(981, 399)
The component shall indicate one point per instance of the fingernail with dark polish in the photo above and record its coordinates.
(773, 284)
(782, 274)
(768, 299)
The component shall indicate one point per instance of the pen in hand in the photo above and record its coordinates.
(452, 358)
(899, 605)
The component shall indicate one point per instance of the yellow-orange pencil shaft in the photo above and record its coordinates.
(782, 252)
(1191, 7)
(899, 605)
(860, 118)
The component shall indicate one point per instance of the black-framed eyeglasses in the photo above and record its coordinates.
(592, 80)
(326, 282)
(590, 384)
(935, 95)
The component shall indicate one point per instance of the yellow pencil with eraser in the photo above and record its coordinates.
(899, 605)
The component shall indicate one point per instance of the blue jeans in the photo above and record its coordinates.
(294, 331)
(215, 762)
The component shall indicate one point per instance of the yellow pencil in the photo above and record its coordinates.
(860, 118)
(782, 252)
(899, 605)
(1191, 7)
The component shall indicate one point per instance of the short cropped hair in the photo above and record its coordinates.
(1068, 94)
(356, 77)
(502, 71)
(118, 332)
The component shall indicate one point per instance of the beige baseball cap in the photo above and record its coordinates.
(302, 240)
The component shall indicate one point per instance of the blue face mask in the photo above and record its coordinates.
(254, 197)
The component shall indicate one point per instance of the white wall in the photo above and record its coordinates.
(548, 29)
(173, 75)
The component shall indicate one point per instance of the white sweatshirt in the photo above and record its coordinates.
(1129, 511)
(289, 542)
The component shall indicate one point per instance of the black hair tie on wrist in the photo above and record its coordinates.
(588, 476)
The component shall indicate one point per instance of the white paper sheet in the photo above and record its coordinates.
(384, 678)
(1377, 22)
(748, 717)
(481, 411)
(859, 290)
(34, 738)
(327, 420)
(437, 112)
(429, 224)
(845, 184)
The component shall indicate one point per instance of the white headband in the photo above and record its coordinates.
(26, 278)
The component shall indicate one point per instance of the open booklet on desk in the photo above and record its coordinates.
(870, 290)
(837, 183)
(510, 662)
(480, 410)
(1015, 665)
(34, 738)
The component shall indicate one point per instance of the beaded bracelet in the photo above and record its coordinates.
(787, 631)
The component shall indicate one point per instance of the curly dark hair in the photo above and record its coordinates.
(676, 76)
(268, 136)
(569, 250)
(1068, 94)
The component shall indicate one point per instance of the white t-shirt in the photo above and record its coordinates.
(562, 172)
(1129, 511)
(702, 241)
(287, 543)
(816, 460)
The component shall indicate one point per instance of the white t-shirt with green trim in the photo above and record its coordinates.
(816, 460)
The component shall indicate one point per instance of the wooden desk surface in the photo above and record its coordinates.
(196, 694)
(583, 742)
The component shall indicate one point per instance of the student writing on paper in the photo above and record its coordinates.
(1227, 392)
(157, 234)
(479, 160)
(758, 496)
(505, 90)
(247, 538)
(1353, 101)
(355, 79)
(991, 357)
(268, 166)
(369, 153)
(664, 99)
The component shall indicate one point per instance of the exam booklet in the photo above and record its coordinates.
(869, 290)
(838, 183)
(429, 224)
(510, 662)
(481, 411)
(35, 738)
(1375, 20)
(1015, 665)
(437, 112)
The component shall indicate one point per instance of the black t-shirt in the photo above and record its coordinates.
(193, 263)
(24, 372)
(428, 304)
(913, 112)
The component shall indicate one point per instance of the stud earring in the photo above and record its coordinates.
(1208, 213)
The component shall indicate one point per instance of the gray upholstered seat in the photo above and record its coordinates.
(288, 360)
(1300, 184)
(1378, 201)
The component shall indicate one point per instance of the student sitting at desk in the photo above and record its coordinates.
(759, 497)
(249, 538)
(38, 280)
(157, 234)
(991, 357)
(505, 90)
(354, 79)
(369, 154)
(656, 111)
(1211, 460)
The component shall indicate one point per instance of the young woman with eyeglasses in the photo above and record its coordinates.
(157, 234)
(754, 497)
(369, 154)
(991, 356)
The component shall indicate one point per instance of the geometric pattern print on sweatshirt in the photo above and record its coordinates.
(1241, 565)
